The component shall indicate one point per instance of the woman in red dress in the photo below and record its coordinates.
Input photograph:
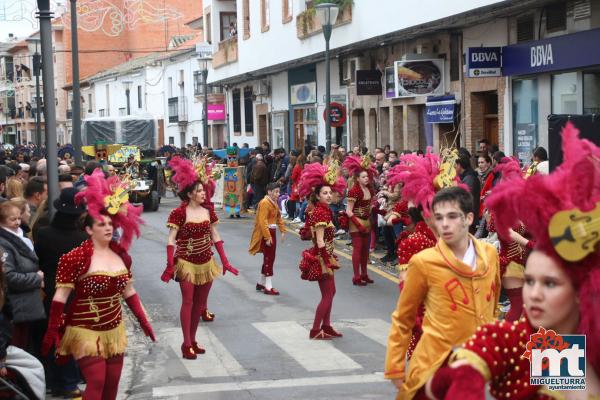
(192, 233)
(560, 292)
(319, 262)
(99, 274)
(360, 199)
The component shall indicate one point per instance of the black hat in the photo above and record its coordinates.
(66, 203)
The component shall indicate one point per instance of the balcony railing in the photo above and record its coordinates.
(227, 53)
(178, 110)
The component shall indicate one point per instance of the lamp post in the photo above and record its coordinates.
(37, 69)
(76, 134)
(327, 14)
(127, 85)
(203, 62)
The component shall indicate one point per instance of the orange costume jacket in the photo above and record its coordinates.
(267, 214)
(457, 300)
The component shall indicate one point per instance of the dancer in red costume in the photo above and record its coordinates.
(360, 198)
(318, 263)
(99, 273)
(189, 256)
(560, 292)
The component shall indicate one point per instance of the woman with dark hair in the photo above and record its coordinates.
(99, 274)
(192, 233)
(318, 263)
(358, 209)
(295, 178)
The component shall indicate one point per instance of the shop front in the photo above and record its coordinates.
(559, 75)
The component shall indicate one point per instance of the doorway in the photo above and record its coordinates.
(358, 128)
(262, 128)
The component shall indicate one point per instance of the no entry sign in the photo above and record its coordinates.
(337, 114)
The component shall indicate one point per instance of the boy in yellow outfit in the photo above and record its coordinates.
(457, 280)
(264, 236)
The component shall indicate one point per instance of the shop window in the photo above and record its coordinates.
(525, 118)
(305, 128)
(248, 111)
(286, 14)
(278, 124)
(246, 16)
(565, 93)
(591, 92)
(237, 112)
(556, 17)
(525, 28)
(264, 15)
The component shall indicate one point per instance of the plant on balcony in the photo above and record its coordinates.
(307, 18)
(342, 4)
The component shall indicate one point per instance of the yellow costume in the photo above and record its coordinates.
(457, 300)
(267, 214)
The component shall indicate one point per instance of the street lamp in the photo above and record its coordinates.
(327, 14)
(203, 62)
(127, 86)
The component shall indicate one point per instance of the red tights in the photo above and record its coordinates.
(102, 377)
(323, 313)
(193, 303)
(516, 304)
(360, 253)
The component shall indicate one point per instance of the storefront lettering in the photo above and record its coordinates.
(541, 55)
(483, 57)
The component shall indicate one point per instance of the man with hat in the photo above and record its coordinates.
(62, 235)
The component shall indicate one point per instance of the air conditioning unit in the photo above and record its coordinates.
(263, 88)
(350, 67)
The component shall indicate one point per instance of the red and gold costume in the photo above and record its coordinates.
(195, 262)
(94, 325)
(361, 208)
(312, 264)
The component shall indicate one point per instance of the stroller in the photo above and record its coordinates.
(25, 379)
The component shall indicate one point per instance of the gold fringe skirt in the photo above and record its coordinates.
(366, 223)
(82, 342)
(197, 274)
(514, 270)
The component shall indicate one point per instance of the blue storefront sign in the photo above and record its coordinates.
(484, 61)
(440, 109)
(562, 52)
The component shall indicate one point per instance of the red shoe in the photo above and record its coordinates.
(330, 331)
(188, 352)
(366, 279)
(271, 292)
(358, 282)
(207, 316)
(260, 287)
(319, 334)
(197, 349)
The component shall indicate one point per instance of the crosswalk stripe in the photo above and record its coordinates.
(216, 362)
(266, 384)
(373, 328)
(313, 355)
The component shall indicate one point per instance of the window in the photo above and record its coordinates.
(286, 13)
(139, 93)
(172, 140)
(556, 17)
(90, 108)
(305, 128)
(237, 112)
(246, 16)
(248, 110)
(591, 92)
(170, 87)
(101, 112)
(264, 15)
(525, 28)
(565, 93)
(228, 25)
(173, 109)
(278, 124)
(122, 111)
(198, 84)
(195, 140)
(525, 118)
(107, 100)
(208, 28)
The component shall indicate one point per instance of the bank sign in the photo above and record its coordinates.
(484, 62)
(562, 52)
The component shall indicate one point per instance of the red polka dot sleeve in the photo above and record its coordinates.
(176, 218)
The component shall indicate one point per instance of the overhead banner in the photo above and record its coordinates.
(419, 77)
(484, 61)
(368, 82)
(440, 109)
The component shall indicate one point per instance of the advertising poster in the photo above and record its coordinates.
(390, 83)
(525, 142)
(304, 93)
(419, 77)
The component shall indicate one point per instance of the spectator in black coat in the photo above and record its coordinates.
(469, 177)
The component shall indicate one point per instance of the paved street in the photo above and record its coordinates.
(258, 345)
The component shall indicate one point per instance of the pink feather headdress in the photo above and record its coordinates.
(189, 172)
(316, 174)
(509, 168)
(355, 165)
(109, 197)
(574, 185)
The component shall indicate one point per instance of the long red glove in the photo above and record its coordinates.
(169, 272)
(55, 321)
(135, 305)
(226, 265)
(464, 382)
(358, 225)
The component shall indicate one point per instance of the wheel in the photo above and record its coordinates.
(152, 202)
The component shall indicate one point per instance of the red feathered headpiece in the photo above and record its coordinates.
(573, 187)
(189, 172)
(316, 174)
(110, 197)
(355, 165)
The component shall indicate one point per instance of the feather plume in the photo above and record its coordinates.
(355, 165)
(185, 174)
(313, 175)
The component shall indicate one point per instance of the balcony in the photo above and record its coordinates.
(307, 22)
(178, 110)
(227, 53)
